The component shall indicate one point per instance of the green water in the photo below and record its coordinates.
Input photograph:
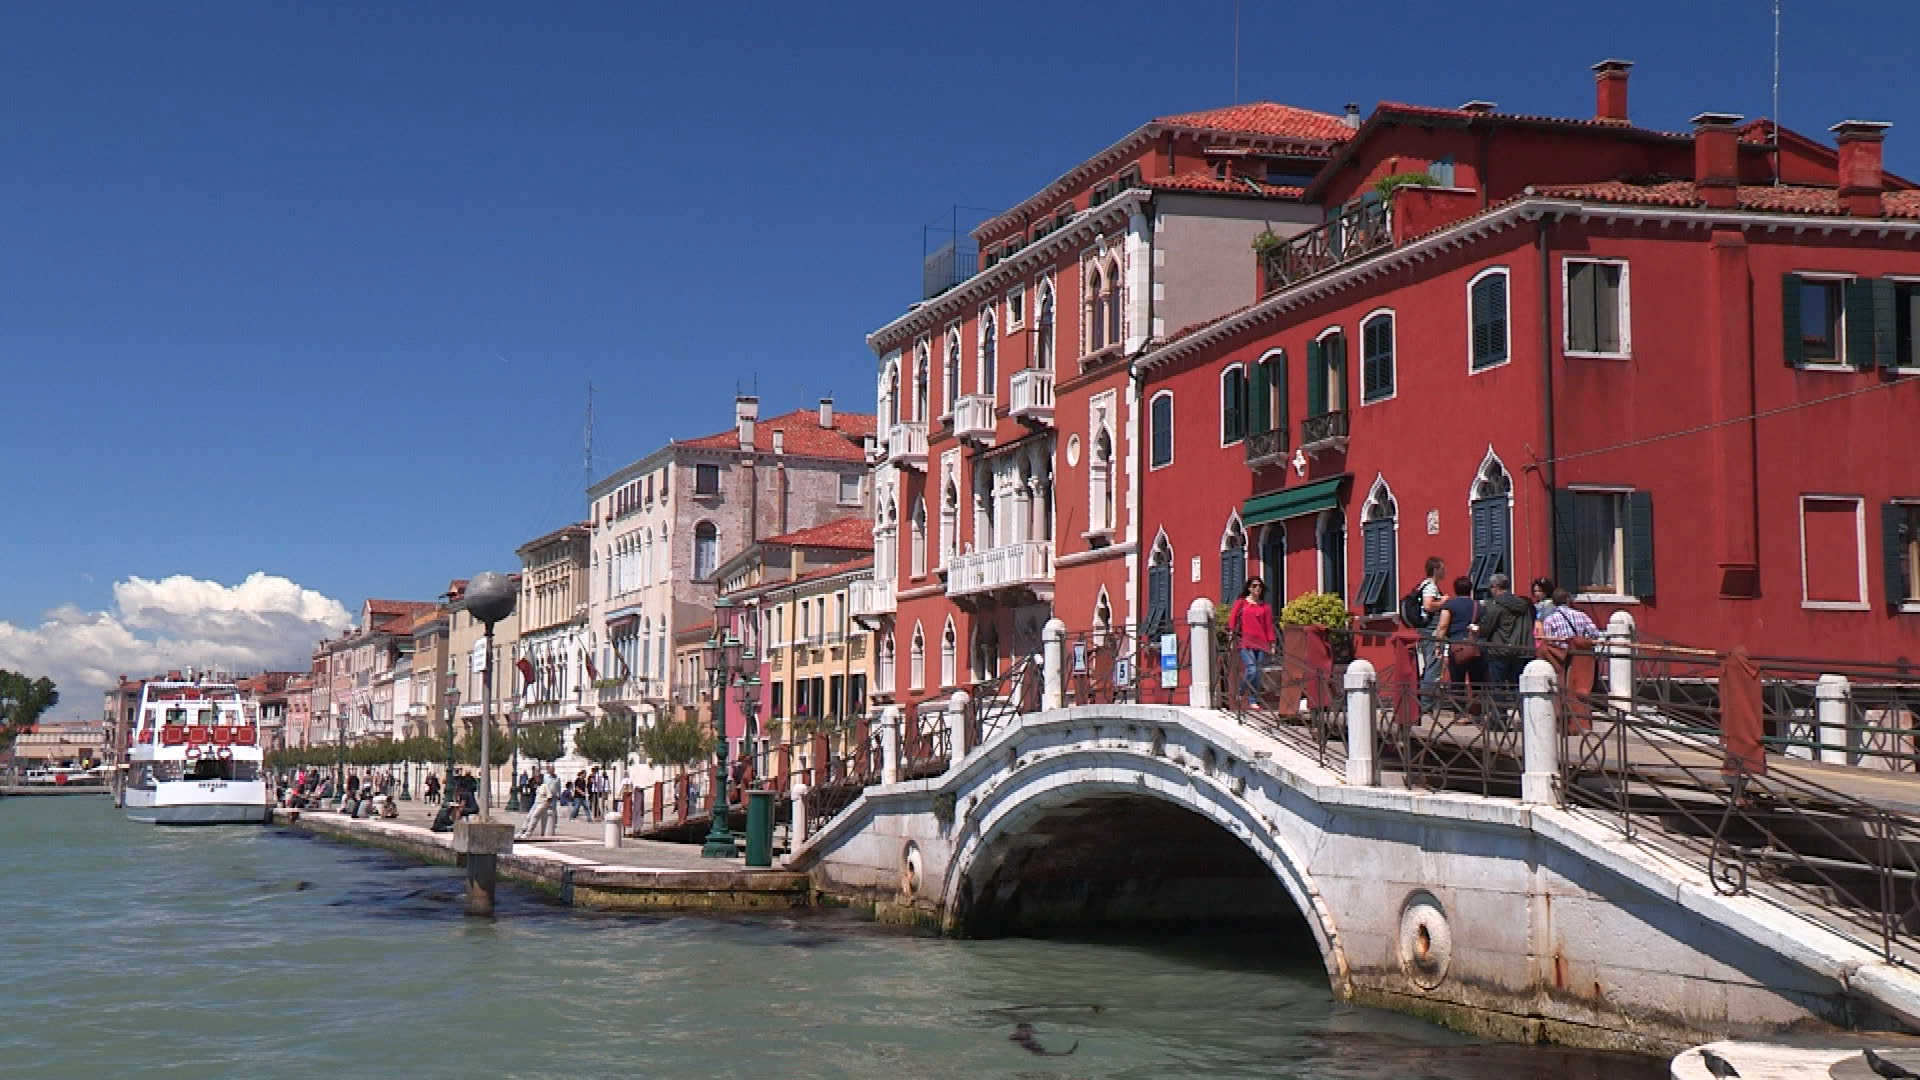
(129, 950)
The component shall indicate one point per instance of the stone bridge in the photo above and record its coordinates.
(1513, 917)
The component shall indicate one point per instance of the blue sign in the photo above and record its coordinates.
(1169, 660)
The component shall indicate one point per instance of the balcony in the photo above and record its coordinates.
(907, 445)
(1328, 431)
(1358, 231)
(867, 599)
(1032, 395)
(973, 418)
(1025, 564)
(1266, 448)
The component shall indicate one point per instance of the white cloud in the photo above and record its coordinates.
(263, 623)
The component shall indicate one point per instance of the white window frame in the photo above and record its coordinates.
(1506, 322)
(986, 334)
(1620, 553)
(1566, 310)
(1172, 447)
(1909, 606)
(1016, 309)
(1839, 361)
(1246, 402)
(917, 659)
(842, 492)
(1393, 346)
(1860, 553)
(953, 353)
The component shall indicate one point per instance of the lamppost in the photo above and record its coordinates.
(513, 740)
(720, 652)
(453, 714)
(490, 598)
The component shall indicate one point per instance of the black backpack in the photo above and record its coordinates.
(1412, 611)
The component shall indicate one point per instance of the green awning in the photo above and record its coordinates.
(1292, 502)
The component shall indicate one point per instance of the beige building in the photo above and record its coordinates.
(553, 637)
(360, 669)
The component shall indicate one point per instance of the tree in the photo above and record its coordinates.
(23, 700)
(606, 740)
(499, 747)
(676, 742)
(542, 742)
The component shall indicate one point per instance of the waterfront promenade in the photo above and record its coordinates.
(576, 867)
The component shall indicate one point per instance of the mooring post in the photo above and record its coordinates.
(1053, 659)
(1362, 766)
(959, 726)
(1200, 648)
(482, 842)
(889, 745)
(1830, 696)
(611, 837)
(798, 828)
(1540, 737)
(1620, 664)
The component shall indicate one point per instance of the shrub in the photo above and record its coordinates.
(1316, 609)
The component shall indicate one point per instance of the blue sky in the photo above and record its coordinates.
(315, 290)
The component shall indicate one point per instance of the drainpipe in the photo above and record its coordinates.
(1546, 369)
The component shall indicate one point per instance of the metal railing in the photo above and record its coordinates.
(1322, 430)
(1358, 231)
(1266, 447)
(1001, 699)
(1123, 666)
(1295, 696)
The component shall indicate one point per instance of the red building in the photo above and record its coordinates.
(1673, 372)
(1007, 486)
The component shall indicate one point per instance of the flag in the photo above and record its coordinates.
(526, 670)
(586, 657)
(625, 672)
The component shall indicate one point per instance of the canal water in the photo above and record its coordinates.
(127, 950)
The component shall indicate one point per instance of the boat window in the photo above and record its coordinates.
(176, 716)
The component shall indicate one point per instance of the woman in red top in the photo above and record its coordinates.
(1250, 622)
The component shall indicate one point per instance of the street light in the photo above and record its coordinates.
(490, 598)
(721, 652)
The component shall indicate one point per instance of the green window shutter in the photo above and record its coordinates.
(1896, 524)
(1159, 600)
(1580, 295)
(1794, 344)
(1232, 406)
(1316, 378)
(1260, 400)
(1277, 375)
(1640, 544)
(1478, 308)
(1886, 322)
(1233, 572)
(1858, 301)
(1566, 540)
(1337, 372)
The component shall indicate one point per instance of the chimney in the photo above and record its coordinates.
(1861, 181)
(746, 409)
(1610, 91)
(826, 413)
(1477, 107)
(1716, 158)
(1352, 119)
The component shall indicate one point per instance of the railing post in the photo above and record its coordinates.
(799, 819)
(959, 726)
(1830, 695)
(890, 745)
(1200, 648)
(1362, 766)
(1540, 738)
(1053, 659)
(1620, 664)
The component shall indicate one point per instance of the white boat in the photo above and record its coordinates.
(195, 757)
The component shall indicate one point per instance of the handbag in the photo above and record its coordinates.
(1464, 651)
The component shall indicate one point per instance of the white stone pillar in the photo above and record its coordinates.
(798, 828)
(1200, 649)
(1540, 737)
(1053, 687)
(1362, 766)
(610, 838)
(890, 745)
(1620, 664)
(959, 725)
(1830, 696)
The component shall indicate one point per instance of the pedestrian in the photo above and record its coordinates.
(599, 791)
(1423, 614)
(578, 790)
(433, 787)
(1506, 624)
(1466, 668)
(1541, 593)
(1250, 625)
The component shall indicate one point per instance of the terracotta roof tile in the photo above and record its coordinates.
(1404, 108)
(804, 435)
(863, 563)
(1762, 198)
(1266, 118)
(854, 533)
(1202, 180)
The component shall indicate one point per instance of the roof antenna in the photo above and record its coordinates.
(1776, 93)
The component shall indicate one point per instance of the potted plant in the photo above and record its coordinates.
(1327, 615)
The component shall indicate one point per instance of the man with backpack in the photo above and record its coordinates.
(1420, 609)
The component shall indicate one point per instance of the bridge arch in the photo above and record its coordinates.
(1081, 811)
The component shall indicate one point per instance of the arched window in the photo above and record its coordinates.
(1159, 618)
(1379, 522)
(1113, 303)
(1376, 357)
(949, 643)
(1102, 616)
(1096, 305)
(706, 550)
(949, 519)
(917, 660)
(1487, 316)
(919, 537)
(1100, 480)
(989, 349)
(888, 676)
(1326, 375)
(1233, 405)
(1043, 329)
(952, 372)
(1273, 562)
(921, 375)
(1233, 559)
(890, 395)
(1333, 552)
(1491, 508)
(1160, 421)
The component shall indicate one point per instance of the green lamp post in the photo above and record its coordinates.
(721, 653)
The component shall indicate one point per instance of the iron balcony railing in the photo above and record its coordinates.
(973, 418)
(907, 444)
(1357, 231)
(1266, 448)
(1032, 395)
(1026, 563)
(1324, 430)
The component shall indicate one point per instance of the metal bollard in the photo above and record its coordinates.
(759, 828)
(610, 839)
